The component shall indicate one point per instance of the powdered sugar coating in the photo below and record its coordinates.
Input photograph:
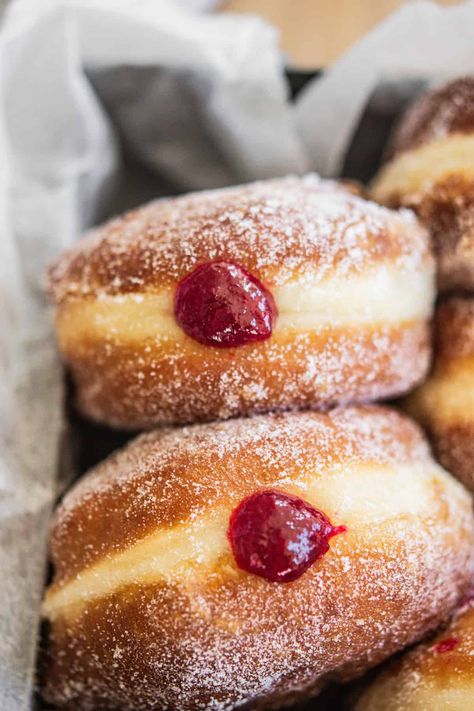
(163, 382)
(230, 638)
(317, 232)
(446, 208)
(454, 330)
(275, 229)
(452, 380)
(430, 172)
(171, 475)
(438, 674)
(438, 113)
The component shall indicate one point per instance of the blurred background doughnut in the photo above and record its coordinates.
(436, 675)
(445, 403)
(431, 169)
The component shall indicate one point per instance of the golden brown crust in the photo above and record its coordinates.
(276, 229)
(436, 675)
(454, 447)
(446, 208)
(225, 638)
(106, 508)
(138, 386)
(442, 111)
(430, 171)
(309, 241)
(444, 404)
(454, 330)
(182, 648)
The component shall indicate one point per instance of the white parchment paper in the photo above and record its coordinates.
(104, 103)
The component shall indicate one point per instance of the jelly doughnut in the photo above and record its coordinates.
(276, 295)
(244, 563)
(445, 403)
(436, 675)
(431, 170)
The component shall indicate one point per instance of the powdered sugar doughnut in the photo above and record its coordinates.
(436, 675)
(149, 609)
(280, 294)
(431, 171)
(445, 403)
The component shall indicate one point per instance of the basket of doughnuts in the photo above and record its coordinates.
(272, 526)
(263, 494)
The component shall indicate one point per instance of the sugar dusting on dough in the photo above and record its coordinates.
(445, 402)
(281, 230)
(237, 639)
(274, 228)
(444, 110)
(175, 474)
(430, 171)
(454, 330)
(138, 386)
(438, 674)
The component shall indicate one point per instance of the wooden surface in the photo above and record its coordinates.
(315, 32)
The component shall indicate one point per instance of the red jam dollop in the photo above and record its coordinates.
(446, 645)
(221, 304)
(278, 536)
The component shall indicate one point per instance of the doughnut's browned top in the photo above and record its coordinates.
(276, 229)
(440, 112)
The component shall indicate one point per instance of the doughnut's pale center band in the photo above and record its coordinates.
(422, 690)
(458, 695)
(419, 168)
(361, 497)
(448, 396)
(387, 296)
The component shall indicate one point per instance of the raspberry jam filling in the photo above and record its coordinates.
(278, 536)
(446, 645)
(221, 304)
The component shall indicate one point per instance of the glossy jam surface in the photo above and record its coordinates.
(446, 645)
(278, 536)
(221, 304)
